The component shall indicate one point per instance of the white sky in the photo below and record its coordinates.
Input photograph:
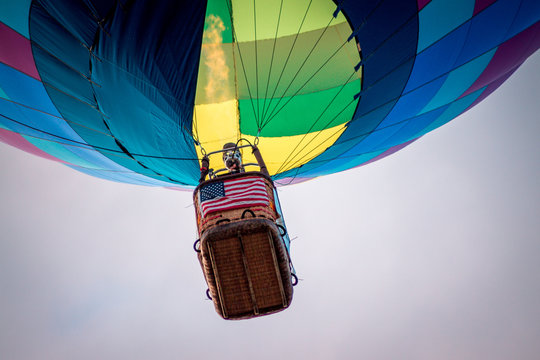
(432, 253)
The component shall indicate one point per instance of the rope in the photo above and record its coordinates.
(330, 136)
(289, 55)
(272, 59)
(229, 7)
(283, 165)
(257, 119)
(383, 105)
(300, 69)
(364, 21)
(300, 89)
(195, 135)
(83, 145)
(56, 117)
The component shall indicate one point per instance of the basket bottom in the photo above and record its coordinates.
(247, 269)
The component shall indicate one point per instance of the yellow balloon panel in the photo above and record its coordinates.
(217, 124)
(288, 152)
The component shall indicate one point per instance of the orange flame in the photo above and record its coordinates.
(218, 72)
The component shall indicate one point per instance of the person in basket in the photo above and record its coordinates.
(232, 158)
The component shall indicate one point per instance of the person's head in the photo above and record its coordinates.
(232, 157)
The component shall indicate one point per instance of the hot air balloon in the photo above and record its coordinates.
(140, 91)
(133, 90)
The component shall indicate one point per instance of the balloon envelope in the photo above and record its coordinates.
(136, 91)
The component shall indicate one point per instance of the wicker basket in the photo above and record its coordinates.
(246, 267)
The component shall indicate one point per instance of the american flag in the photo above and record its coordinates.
(232, 194)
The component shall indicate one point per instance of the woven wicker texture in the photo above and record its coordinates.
(262, 265)
(247, 269)
(233, 287)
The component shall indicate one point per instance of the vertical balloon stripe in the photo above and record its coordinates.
(16, 140)
(440, 17)
(328, 168)
(411, 103)
(413, 126)
(318, 13)
(527, 15)
(489, 29)
(437, 59)
(16, 51)
(123, 177)
(26, 91)
(128, 83)
(388, 152)
(508, 56)
(291, 180)
(481, 5)
(455, 109)
(62, 152)
(422, 4)
(341, 164)
(15, 15)
(458, 81)
(3, 94)
(491, 87)
(215, 117)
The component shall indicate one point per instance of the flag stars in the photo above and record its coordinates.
(212, 191)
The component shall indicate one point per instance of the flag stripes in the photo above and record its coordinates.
(233, 194)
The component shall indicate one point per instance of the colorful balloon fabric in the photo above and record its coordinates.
(136, 90)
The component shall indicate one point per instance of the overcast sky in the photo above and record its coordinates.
(432, 253)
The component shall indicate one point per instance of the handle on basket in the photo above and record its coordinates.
(222, 220)
(282, 230)
(247, 211)
(294, 280)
